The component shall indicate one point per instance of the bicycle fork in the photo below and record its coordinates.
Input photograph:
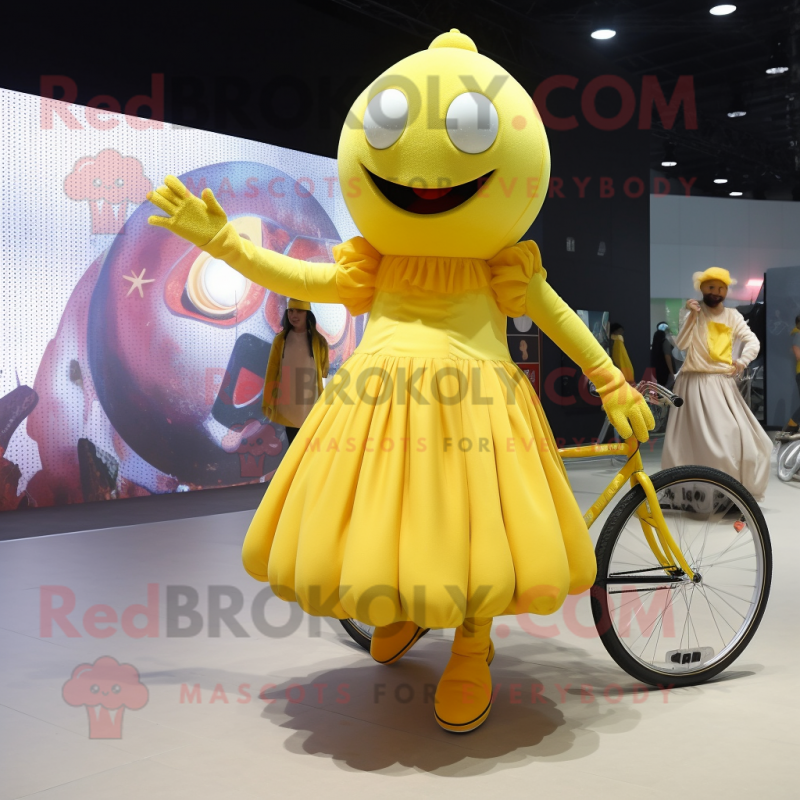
(651, 518)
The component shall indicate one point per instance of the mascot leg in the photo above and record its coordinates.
(464, 694)
(391, 642)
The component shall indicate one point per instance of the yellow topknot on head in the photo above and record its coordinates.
(453, 38)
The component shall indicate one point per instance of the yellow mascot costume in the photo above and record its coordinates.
(425, 489)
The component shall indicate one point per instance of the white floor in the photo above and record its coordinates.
(350, 735)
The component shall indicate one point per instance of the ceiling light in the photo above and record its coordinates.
(720, 180)
(736, 194)
(669, 159)
(721, 174)
(604, 33)
(778, 62)
(737, 108)
(722, 10)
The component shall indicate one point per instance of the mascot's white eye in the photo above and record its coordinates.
(472, 122)
(385, 118)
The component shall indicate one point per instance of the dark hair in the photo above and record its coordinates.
(658, 338)
(657, 360)
(615, 326)
(311, 327)
(797, 320)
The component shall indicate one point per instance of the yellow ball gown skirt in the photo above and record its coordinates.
(425, 484)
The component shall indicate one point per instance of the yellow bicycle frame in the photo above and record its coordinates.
(654, 526)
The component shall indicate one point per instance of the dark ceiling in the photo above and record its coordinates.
(725, 55)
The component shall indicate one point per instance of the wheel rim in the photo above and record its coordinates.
(676, 626)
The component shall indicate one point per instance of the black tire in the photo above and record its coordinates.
(360, 634)
(724, 489)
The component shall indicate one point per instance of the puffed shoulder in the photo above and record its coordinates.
(512, 270)
(358, 263)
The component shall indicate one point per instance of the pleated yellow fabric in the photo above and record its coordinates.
(425, 484)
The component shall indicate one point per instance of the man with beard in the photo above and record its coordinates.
(714, 427)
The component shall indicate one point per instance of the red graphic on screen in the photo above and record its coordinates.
(109, 182)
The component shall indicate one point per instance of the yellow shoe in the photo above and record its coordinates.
(464, 695)
(391, 642)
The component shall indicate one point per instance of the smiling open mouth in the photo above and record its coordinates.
(427, 201)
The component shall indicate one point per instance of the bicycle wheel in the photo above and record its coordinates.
(666, 628)
(789, 461)
(360, 633)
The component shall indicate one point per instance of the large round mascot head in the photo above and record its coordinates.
(444, 155)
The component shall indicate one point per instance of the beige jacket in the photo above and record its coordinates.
(708, 340)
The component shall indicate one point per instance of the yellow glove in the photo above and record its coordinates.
(192, 218)
(625, 407)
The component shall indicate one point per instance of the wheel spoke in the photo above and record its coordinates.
(713, 616)
(711, 588)
(729, 548)
(723, 617)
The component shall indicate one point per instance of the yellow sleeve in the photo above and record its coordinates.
(561, 324)
(273, 376)
(326, 365)
(520, 285)
(626, 408)
(278, 273)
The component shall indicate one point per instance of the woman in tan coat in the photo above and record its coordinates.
(714, 427)
(298, 361)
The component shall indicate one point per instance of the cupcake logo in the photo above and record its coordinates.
(109, 183)
(105, 688)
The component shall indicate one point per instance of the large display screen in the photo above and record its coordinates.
(132, 363)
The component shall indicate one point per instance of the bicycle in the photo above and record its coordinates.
(652, 392)
(691, 535)
(789, 462)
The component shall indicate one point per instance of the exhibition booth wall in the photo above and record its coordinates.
(690, 234)
(758, 241)
(594, 233)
